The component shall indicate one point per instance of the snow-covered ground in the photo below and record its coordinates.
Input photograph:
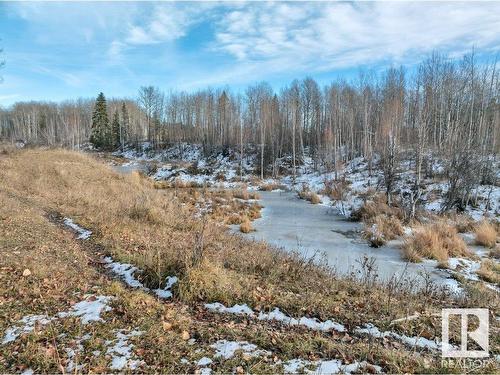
(187, 163)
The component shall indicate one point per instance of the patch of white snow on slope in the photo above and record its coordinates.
(121, 351)
(420, 342)
(311, 323)
(89, 310)
(25, 325)
(165, 292)
(465, 267)
(333, 366)
(227, 349)
(205, 361)
(236, 309)
(83, 234)
(126, 272)
(276, 314)
(73, 353)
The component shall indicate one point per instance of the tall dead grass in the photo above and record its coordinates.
(382, 223)
(486, 234)
(438, 240)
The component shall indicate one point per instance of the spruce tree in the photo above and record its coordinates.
(116, 130)
(101, 135)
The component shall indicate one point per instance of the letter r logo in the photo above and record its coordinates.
(479, 335)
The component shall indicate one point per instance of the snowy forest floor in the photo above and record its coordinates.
(103, 272)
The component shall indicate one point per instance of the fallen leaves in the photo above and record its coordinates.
(26, 272)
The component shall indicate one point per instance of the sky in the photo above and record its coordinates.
(65, 50)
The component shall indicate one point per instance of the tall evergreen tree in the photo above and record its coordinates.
(125, 129)
(101, 135)
(116, 130)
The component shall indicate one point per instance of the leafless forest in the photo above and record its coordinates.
(444, 109)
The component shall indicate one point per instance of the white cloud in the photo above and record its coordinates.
(167, 22)
(326, 35)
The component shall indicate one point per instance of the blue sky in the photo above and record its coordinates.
(57, 51)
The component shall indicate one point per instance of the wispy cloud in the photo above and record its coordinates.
(321, 36)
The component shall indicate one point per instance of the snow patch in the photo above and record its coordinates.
(125, 271)
(333, 366)
(165, 292)
(236, 309)
(227, 349)
(83, 234)
(420, 342)
(276, 314)
(121, 351)
(205, 361)
(25, 325)
(89, 310)
(311, 323)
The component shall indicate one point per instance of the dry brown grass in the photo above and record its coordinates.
(381, 222)
(486, 234)
(490, 271)
(381, 229)
(246, 226)
(245, 194)
(336, 190)
(272, 186)
(437, 240)
(309, 196)
(374, 206)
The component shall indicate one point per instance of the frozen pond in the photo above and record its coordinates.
(295, 224)
(315, 230)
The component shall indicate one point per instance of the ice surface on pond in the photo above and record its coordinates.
(83, 234)
(316, 230)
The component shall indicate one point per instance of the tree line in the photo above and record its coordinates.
(448, 108)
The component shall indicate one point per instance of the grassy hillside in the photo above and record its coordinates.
(46, 270)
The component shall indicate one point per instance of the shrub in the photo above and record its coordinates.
(437, 240)
(314, 198)
(381, 229)
(272, 186)
(489, 271)
(245, 194)
(246, 226)
(336, 190)
(374, 206)
(486, 234)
